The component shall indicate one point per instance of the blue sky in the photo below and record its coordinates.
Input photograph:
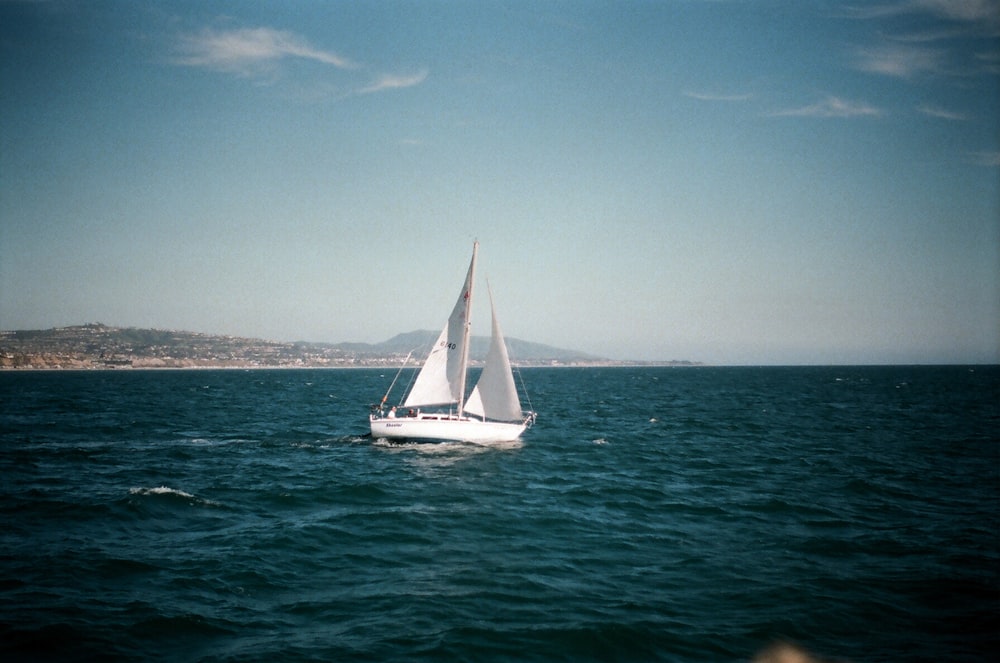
(732, 182)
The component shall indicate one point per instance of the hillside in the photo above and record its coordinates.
(420, 342)
(100, 346)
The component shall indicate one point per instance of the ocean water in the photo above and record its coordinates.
(686, 514)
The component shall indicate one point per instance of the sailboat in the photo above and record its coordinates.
(436, 406)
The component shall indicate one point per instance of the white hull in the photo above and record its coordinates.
(443, 427)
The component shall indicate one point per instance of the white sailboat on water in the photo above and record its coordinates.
(436, 407)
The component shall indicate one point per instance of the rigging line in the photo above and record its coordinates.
(530, 419)
(524, 389)
(413, 376)
(520, 377)
(393, 383)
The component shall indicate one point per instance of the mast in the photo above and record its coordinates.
(467, 329)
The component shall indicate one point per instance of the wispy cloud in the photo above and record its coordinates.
(986, 158)
(899, 60)
(960, 10)
(258, 52)
(990, 61)
(832, 107)
(250, 51)
(929, 37)
(395, 81)
(969, 11)
(942, 113)
(706, 96)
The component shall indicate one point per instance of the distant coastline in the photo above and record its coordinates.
(101, 347)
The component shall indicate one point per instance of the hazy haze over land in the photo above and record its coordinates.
(726, 182)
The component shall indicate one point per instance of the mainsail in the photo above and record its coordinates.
(442, 378)
(495, 395)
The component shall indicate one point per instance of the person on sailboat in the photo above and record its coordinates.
(392, 412)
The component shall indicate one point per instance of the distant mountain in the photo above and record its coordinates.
(100, 346)
(420, 343)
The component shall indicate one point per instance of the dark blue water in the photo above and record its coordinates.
(688, 514)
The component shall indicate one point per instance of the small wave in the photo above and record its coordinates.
(600, 440)
(334, 442)
(418, 446)
(451, 448)
(385, 443)
(162, 490)
(171, 492)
